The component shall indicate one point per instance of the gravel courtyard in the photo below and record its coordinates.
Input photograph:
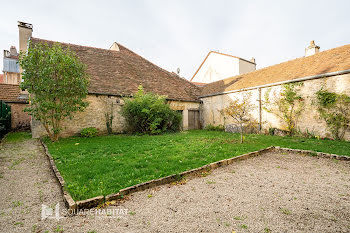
(269, 193)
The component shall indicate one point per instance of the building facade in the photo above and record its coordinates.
(117, 72)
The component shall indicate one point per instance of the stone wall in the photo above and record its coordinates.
(19, 118)
(309, 119)
(184, 107)
(94, 116)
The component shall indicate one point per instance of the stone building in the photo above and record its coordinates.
(329, 69)
(117, 72)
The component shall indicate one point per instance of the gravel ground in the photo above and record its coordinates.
(269, 193)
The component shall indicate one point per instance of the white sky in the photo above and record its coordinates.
(180, 33)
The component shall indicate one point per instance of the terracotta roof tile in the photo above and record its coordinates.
(332, 60)
(121, 72)
(10, 93)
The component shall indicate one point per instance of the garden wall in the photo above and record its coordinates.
(309, 119)
(94, 116)
(19, 118)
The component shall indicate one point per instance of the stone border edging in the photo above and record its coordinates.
(68, 200)
(99, 200)
(313, 153)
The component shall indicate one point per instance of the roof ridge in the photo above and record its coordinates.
(65, 43)
(226, 54)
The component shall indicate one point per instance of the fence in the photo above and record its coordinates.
(5, 118)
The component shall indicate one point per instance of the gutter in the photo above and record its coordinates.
(281, 82)
(119, 95)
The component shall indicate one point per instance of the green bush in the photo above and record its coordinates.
(215, 128)
(89, 132)
(147, 113)
(334, 109)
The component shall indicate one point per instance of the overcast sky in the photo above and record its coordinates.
(177, 33)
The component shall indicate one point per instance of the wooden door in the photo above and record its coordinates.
(193, 119)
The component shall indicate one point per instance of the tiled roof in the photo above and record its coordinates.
(337, 59)
(121, 72)
(10, 93)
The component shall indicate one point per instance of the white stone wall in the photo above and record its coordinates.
(220, 66)
(309, 119)
(217, 67)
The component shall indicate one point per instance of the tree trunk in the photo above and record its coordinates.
(241, 133)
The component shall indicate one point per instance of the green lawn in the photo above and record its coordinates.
(16, 137)
(104, 165)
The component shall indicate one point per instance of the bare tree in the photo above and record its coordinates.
(240, 111)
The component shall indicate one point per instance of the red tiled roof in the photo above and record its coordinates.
(337, 59)
(10, 93)
(121, 72)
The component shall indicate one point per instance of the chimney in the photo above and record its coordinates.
(312, 49)
(114, 47)
(252, 60)
(13, 51)
(6, 53)
(25, 33)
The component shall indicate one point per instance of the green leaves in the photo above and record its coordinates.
(288, 105)
(149, 113)
(326, 98)
(335, 110)
(57, 83)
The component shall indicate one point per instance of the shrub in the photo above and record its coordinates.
(335, 110)
(287, 106)
(89, 132)
(215, 128)
(148, 113)
(272, 131)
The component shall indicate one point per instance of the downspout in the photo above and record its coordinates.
(260, 112)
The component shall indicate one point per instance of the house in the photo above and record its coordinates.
(117, 72)
(11, 67)
(328, 69)
(10, 91)
(217, 66)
